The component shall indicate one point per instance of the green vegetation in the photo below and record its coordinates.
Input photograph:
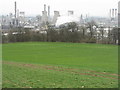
(60, 65)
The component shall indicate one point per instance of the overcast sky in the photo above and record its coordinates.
(35, 7)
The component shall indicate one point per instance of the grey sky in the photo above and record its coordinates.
(35, 7)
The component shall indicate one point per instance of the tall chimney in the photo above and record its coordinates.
(15, 9)
(112, 13)
(48, 10)
(17, 15)
(115, 12)
(48, 13)
(86, 16)
(44, 7)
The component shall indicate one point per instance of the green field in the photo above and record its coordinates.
(59, 65)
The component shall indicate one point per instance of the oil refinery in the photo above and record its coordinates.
(40, 22)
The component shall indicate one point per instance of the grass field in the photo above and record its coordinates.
(60, 65)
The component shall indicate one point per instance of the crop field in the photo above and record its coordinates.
(59, 65)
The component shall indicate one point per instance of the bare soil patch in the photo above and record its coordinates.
(62, 69)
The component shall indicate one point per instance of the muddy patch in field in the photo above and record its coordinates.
(63, 69)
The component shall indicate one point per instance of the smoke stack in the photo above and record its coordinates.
(86, 16)
(17, 13)
(49, 11)
(15, 9)
(44, 7)
(15, 23)
(42, 13)
(81, 17)
(113, 13)
(110, 13)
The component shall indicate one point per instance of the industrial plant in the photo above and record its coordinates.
(40, 23)
(18, 19)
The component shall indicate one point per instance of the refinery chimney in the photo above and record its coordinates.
(48, 10)
(15, 21)
(115, 13)
(15, 9)
(17, 14)
(44, 7)
(44, 15)
(112, 13)
(48, 13)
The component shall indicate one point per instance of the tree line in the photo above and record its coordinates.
(69, 32)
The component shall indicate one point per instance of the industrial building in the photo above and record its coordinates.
(113, 14)
(40, 22)
(13, 20)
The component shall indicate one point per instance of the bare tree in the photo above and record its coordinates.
(90, 26)
(114, 34)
